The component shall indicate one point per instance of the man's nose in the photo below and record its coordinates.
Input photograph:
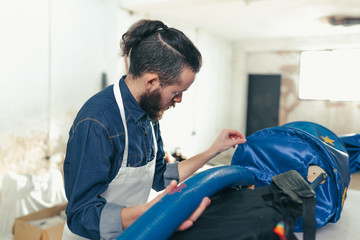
(178, 98)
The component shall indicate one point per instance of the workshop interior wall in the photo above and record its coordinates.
(339, 116)
(52, 60)
(51, 73)
(56, 51)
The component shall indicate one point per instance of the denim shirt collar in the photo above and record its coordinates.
(131, 105)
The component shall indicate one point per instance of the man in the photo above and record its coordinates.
(115, 152)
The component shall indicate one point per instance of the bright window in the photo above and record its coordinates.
(330, 75)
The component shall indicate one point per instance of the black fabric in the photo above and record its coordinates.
(294, 185)
(309, 218)
(246, 214)
(238, 214)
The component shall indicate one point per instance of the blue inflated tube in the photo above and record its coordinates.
(161, 220)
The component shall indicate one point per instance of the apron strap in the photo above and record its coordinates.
(154, 138)
(120, 104)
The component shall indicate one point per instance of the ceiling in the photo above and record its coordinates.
(238, 20)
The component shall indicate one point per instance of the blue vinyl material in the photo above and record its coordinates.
(161, 220)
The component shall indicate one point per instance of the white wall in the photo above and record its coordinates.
(24, 64)
(239, 86)
(53, 55)
(84, 44)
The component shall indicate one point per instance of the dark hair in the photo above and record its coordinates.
(153, 47)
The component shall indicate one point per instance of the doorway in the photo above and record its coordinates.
(263, 102)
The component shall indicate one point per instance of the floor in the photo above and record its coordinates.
(347, 228)
(355, 181)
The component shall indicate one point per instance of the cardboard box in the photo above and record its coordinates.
(24, 230)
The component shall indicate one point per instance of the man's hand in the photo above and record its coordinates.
(194, 216)
(227, 138)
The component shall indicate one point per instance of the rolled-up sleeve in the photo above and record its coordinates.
(110, 222)
(171, 173)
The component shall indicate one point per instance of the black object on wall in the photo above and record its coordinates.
(263, 102)
(103, 81)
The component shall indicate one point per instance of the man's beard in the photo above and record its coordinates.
(150, 103)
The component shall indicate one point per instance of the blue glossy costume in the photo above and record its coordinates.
(352, 145)
(296, 146)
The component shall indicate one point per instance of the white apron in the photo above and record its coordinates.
(132, 185)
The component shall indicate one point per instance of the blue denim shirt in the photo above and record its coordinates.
(93, 157)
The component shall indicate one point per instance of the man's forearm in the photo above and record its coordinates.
(226, 139)
(130, 214)
(191, 165)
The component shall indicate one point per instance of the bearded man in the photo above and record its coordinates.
(115, 152)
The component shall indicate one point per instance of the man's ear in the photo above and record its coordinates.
(152, 81)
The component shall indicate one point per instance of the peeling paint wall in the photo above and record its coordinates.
(23, 154)
(52, 59)
(340, 117)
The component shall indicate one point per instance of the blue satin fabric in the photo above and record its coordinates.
(320, 132)
(352, 145)
(275, 150)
